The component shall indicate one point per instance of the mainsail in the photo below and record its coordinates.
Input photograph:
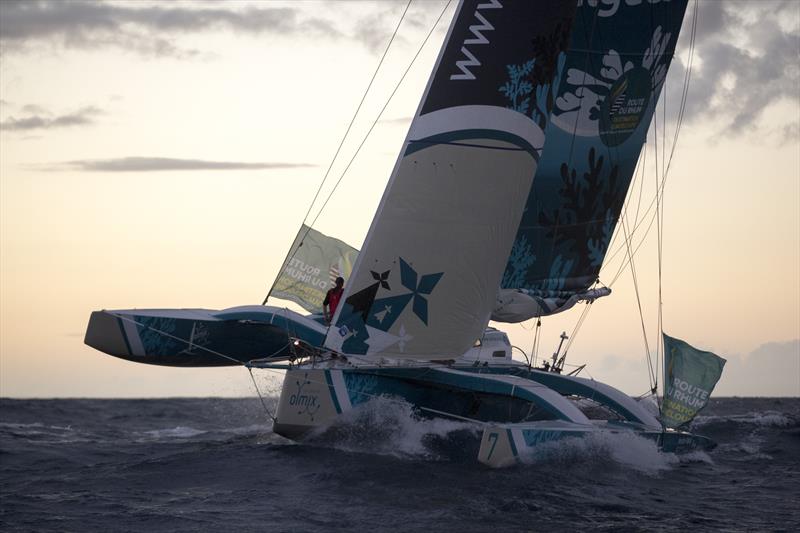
(426, 280)
(609, 79)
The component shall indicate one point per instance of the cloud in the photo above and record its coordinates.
(396, 121)
(375, 27)
(46, 120)
(146, 29)
(747, 61)
(159, 164)
(772, 369)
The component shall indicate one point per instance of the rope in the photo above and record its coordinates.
(658, 200)
(394, 91)
(537, 337)
(639, 305)
(209, 350)
(681, 114)
(189, 342)
(250, 367)
(264, 405)
(291, 254)
(577, 327)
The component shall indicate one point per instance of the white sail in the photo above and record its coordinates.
(425, 282)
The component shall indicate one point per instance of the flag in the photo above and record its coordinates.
(689, 378)
(315, 261)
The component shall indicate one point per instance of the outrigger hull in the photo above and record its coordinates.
(201, 337)
(508, 444)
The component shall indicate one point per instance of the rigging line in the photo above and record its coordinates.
(535, 347)
(633, 232)
(641, 185)
(686, 81)
(681, 114)
(381, 396)
(168, 335)
(660, 216)
(250, 367)
(640, 165)
(626, 261)
(639, 304)
(660, 232)
(264, 405)
(577, 327)
(242, 363)
(339, 148)
(394, 91)
(659, 199)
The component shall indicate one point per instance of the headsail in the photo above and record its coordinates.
(425, 282)
(314, 262)
(610, 79)
(689, 379)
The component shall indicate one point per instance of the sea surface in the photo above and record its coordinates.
(215, 465)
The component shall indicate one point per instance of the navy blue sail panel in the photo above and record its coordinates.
(425, 282)
(610, 76)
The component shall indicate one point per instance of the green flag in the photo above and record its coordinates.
(314, 263)
(689, 378)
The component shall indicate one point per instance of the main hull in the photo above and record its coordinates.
(512, 414)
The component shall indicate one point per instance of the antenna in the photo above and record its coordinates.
(558, 364)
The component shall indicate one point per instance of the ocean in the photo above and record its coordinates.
(214, 465)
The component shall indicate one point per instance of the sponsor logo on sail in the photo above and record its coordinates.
(624, 107)
(609, 8)
(477, 30)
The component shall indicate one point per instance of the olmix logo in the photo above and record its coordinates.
(307, 402)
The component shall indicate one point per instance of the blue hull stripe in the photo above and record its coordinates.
(124, 337)
(511, 441)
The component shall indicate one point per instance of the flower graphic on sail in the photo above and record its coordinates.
(612, 102)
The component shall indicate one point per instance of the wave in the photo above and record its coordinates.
(768, 419)
(179, 432)
(390, 426)
(624, 449)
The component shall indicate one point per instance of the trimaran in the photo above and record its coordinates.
(501, 206)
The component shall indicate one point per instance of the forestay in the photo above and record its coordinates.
(610, 74)
(426, 280)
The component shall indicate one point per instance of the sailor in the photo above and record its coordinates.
(332, 300)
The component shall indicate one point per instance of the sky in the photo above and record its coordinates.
(164, 155)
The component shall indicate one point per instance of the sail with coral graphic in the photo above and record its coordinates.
(425, 282)
(610, 75)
